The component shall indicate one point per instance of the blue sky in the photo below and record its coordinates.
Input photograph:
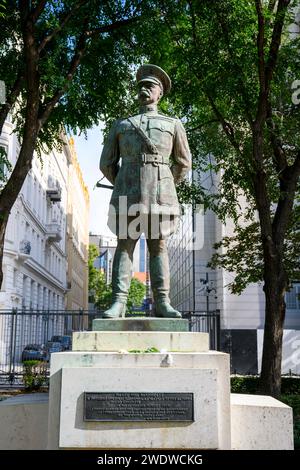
(88, 152)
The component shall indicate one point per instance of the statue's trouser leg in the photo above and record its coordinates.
(121, 277)
(160, 278)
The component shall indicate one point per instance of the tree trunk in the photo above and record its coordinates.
(275, 278)
(275, 288)
(16, 180)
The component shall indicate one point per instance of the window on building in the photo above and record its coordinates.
(28, 190)
(24, 296)
(15, 278)
(35, 200)
(32, 294)
(292, 298)
(38, 248)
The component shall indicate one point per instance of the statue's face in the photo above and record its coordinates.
(148, 93)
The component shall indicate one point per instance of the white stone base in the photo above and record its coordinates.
(257, 422)
(140, 340)
(260, 423)
(24, 422)
(206, 375)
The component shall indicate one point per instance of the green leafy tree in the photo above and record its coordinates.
(65, 65)
(234, 64)
(99, 292)
(103, 293)
(136, 294)
(2, 8)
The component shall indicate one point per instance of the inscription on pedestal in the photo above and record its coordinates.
(124, 406)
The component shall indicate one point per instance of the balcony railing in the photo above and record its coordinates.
(54, 190)
(53, 232)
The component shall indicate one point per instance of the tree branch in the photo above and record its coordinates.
(62, 24)
(288, 186)
(79, 51)
(203, 124)
(111, 27)
(38, 11)
(279, 156)
(260, 46)
(227, 127)
(271, 5)
(240, 72)
(276, 40)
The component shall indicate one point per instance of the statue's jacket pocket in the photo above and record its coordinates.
(127, 182)
(166, 191)
(162, 134)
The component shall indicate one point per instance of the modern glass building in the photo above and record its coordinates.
(196, 287)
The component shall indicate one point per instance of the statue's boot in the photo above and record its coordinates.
(160, 283)
(121, 277)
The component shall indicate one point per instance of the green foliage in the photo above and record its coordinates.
(241, 254)
(210, 51)
(99, 292)
(99, 88)
(233, 254)
(136, 294)
(244, 384)
(2, 8)
(144, 351)
(34, 375)
(250, 384)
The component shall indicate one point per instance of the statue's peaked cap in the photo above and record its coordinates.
(155, 74)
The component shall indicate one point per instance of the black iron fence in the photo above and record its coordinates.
(21, 328)
(206, 323)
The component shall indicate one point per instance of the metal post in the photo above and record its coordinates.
(15, 342)
(218, 330)
(81, 319)
(207, 294)
(11, 346)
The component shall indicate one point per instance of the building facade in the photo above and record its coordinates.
(35, 258)
(196, 287)
(35, 261)
(77, 235)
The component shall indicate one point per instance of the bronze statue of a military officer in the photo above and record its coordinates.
(154, 155)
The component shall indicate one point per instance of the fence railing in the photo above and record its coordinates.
(20, 328)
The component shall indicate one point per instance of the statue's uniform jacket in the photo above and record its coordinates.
(151, 185)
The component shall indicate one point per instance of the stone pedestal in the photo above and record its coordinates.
(122, 363)
(118, 362)
(140, 324)
(260, 423)
(206, 375)
(139, 341)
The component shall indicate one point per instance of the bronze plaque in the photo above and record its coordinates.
(138, 406)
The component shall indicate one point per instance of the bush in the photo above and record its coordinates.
(250, 384)
(34, 375)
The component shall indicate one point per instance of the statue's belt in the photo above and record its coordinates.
(146, 158)
(152, 157)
